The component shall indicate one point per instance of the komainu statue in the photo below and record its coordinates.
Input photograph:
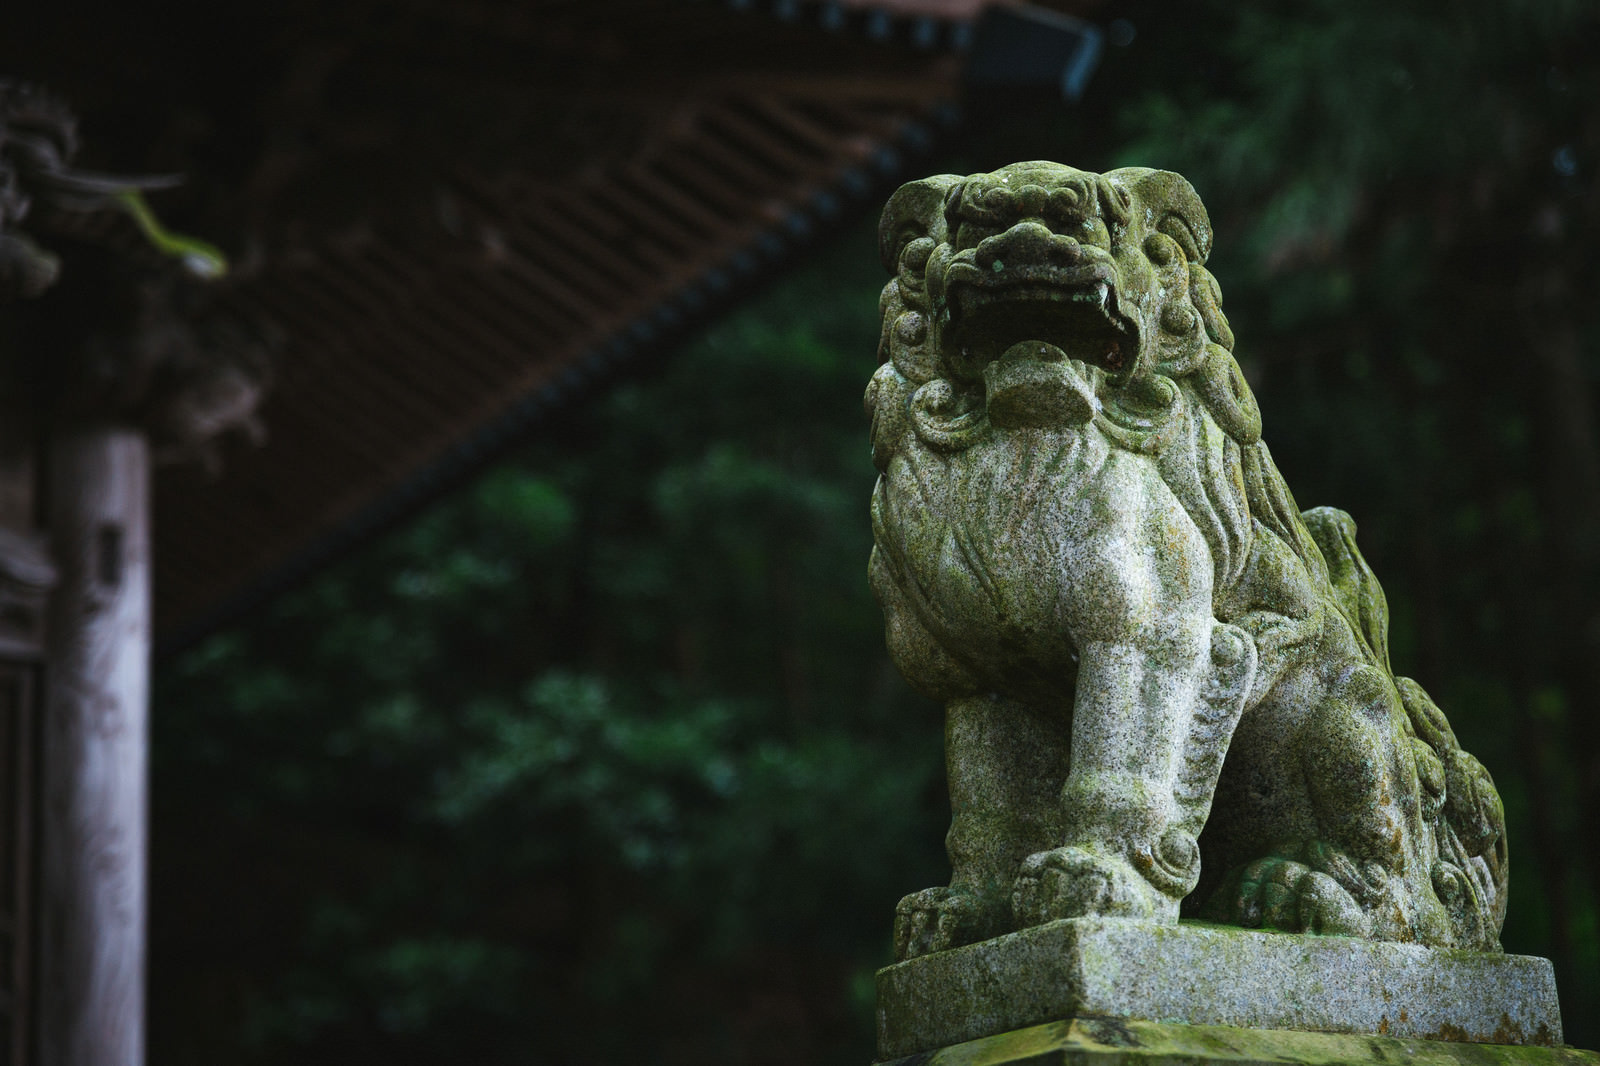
(1167, 688)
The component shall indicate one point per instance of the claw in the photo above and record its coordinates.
(1247, 909)
(1278, 893)
(1073, 882)
(937, 919)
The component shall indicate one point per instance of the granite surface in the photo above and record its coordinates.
(1201, 974)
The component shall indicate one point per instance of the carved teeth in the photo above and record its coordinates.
(1098, 294)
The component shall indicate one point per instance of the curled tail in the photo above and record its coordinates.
(1459, 801)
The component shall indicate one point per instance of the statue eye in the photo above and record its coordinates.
(979, 204)
(998, 202)
(1093, 231)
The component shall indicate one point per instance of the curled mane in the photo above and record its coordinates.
(1229, 477)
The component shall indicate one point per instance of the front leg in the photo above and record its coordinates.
(1006, 762)
(1150, 728)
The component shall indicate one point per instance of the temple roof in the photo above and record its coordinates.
(461, 215)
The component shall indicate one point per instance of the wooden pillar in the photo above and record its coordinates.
(128, 342)
(95, 750)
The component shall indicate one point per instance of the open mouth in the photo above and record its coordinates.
(1078, 315)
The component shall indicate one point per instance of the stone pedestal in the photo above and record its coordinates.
(1064, 991)
(1130, 1042)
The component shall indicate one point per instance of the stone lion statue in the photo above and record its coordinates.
(1167, 689)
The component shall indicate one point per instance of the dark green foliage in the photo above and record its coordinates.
(602, 756)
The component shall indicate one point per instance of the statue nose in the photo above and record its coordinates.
(1030, 243)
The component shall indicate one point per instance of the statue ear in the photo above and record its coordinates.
(915, 210)
(1175, 206)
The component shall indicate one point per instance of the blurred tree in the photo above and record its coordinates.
(602, 757)
(602, 760)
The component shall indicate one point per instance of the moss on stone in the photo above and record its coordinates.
(1092, 1041)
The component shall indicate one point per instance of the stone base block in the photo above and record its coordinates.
(1128, 1042)
(1194, 974)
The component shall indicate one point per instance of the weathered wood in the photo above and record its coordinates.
(18, 715)
(16, 472)
(26, 577)
(95, 752)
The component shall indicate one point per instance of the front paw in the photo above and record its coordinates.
(937, 919)
(1073, 882)
(1278, 893)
